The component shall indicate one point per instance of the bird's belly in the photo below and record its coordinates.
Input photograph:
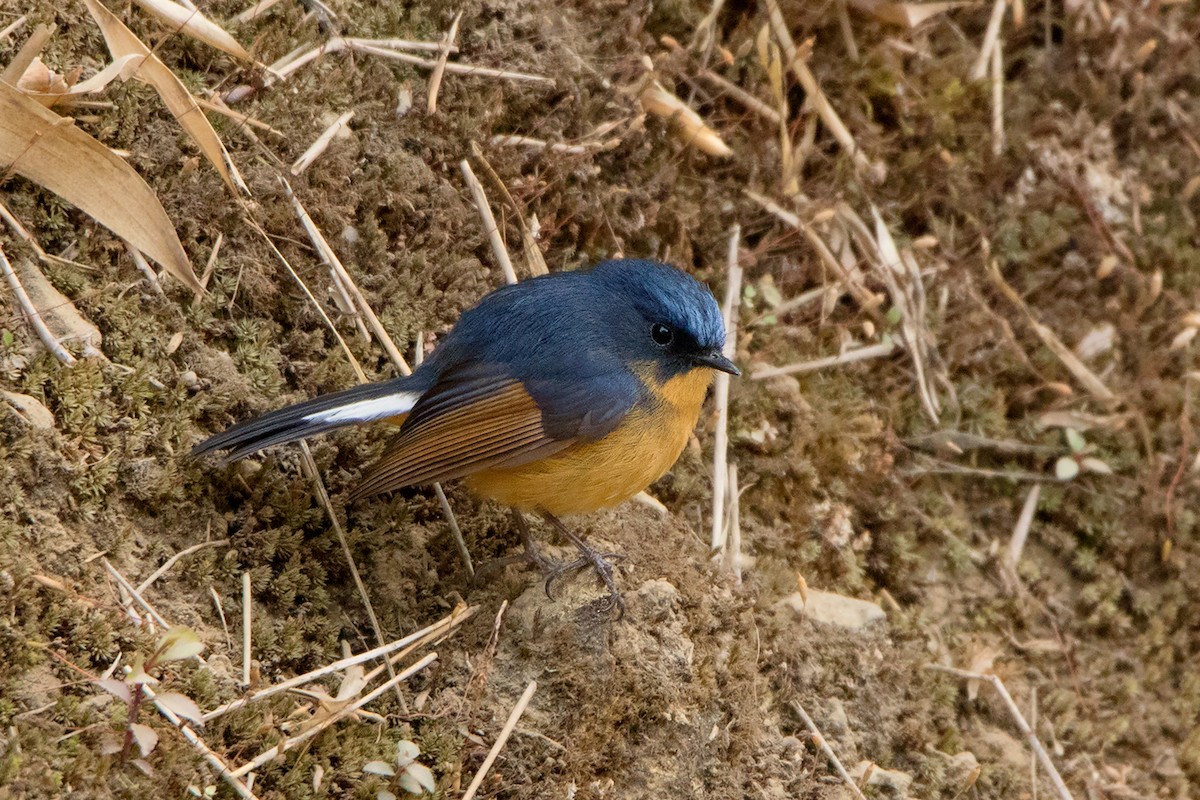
(598, 474)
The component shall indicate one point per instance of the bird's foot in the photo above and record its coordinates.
(602, 563)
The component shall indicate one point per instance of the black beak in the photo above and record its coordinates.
(717, 360)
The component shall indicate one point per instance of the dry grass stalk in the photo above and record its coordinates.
(49, 150)
(729, 310)
(819, 741)
(247, 612)
(739, 94)
(287, 744)
(1030, 735)
(990, 36)
(13, 27)
(733, 551)
(851, 280)
(817, 98)
(479, 197)
(173, 560)
(847, 30)
(310, 468)
(533, 254)
(704, 36)
(358, 370)
(453, 67)
(189, 21)
(140, 262)
(435, 80)
(1072, 362)
(902, 277)
(210, 266)
(255, 11)
(136, 596)
(1016, 545)
(514, 140)
(27, 54)
(319, 241)
(998, 140)
(651, 502)
(24, 235)
(884, 348)
(321, 144)
(216, 598)
(205, 751)
(404, 44)
(505, 732)
(244, 119)
(439, 628)
(31, 313)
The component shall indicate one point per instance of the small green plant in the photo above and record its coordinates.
(1069, 466)
(177, 644)
(409, 775)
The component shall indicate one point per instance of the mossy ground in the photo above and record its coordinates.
(691, 694)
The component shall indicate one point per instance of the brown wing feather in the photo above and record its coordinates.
(500, 425)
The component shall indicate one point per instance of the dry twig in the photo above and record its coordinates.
(505, 732)
(435, 80)
(820, 742)
(733, 292)
(479, 197)
(31, 313)
(322, 143)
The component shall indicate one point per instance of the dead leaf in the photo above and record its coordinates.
(145, 737)
(122, 42)
(194, 24)
(120, 68)
(181, 706)
(49, 150)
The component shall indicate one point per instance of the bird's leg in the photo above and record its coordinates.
(588, 556)
(532, 554)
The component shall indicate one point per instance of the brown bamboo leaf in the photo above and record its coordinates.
(194, 24)
(122, 42)
(49, 150)
(53, 93)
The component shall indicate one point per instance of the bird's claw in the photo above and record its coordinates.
(602, 563)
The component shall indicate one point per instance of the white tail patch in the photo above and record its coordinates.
(367, 410)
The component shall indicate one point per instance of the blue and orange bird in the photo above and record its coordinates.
(562, 394)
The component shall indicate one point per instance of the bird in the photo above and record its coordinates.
(559, 395)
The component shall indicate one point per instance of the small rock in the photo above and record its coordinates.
(834, 609)
(30, 409)
(892, 780)
(189, 379)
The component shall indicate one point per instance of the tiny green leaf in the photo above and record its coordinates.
(1066, 468)
(177, 644)
(1075, 440)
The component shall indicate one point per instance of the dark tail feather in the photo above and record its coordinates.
(291, 423)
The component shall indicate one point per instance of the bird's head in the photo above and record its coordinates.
(674, 323)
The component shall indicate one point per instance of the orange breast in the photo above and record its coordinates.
(605, 472)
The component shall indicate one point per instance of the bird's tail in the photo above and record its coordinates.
(367, 403)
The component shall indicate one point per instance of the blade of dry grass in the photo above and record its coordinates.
(173, 560)
(505, 732)
(322, 245)
(1072, 362)
(729, 310)
(490, 229)
(358, 370)
(321, 144)
(820, 741)
(26, 55)
(533, 254)
(688, 125)
(179, 101)
(453, 67)
(31, 313)
(13, 27)
(990, 36)
(193, 23)
(435, 80)
(868, 352)
(833, 121)
(49, 150)
(1060, 787)
(310, 467)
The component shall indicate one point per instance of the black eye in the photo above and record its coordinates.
(661, 334)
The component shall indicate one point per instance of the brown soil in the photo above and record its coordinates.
(693, 693)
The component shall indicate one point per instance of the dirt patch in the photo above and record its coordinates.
(1088, 211)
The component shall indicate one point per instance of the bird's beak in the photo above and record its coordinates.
(717, 360)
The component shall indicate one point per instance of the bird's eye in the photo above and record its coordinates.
(661, 334)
